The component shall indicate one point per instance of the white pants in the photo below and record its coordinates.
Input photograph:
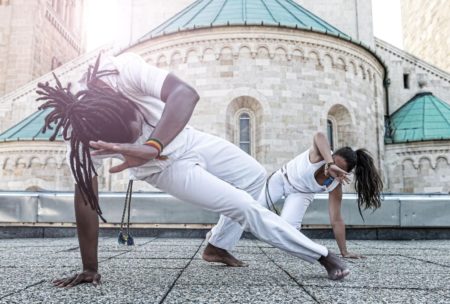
(218, 176)
(226, 233)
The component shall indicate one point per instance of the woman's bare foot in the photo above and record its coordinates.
(216, 254)
(336, 268)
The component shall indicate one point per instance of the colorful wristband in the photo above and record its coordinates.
(155, 143)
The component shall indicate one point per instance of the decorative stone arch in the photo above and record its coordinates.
(34, 163)
(21, 163)
(7, 164)
(161, 61)
(192, 55)
(176, 58)
(226, 52)
(281, 53)
(442, 160)
(245, 51)
(353, 68)
(423, 160)
(263, 51)
(340, 63)
(343, 122)
(328, 61)
(362, 70)
(314, 57)
(51, 163)
(252, 107)
(298, 53)
(369, 75)
(208, 54)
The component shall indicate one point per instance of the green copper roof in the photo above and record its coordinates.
(424, 117)
(210, 13)
(29, 129)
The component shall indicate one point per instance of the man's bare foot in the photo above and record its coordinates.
(216, 254)
(335, 267)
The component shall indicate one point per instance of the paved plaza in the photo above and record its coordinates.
(167, 270)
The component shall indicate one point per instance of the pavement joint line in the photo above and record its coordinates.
(181, 272)
(122, 253)
(375, 287)
(425, 261)
(25, 288)
(290, 276)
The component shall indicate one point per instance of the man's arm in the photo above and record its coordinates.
(337, 222)
(180, 99)
(87, 228)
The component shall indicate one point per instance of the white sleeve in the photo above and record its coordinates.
(139, 76)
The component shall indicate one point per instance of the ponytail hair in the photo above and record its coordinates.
(368, 183)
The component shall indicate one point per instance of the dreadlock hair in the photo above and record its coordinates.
(368, 183)
(96, 113)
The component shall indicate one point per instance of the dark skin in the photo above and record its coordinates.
(180, 100)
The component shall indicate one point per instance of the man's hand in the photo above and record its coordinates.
(135, 155)
(86, 276)
(349, 255)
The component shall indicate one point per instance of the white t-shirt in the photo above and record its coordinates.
(301, 172)
(141, 83)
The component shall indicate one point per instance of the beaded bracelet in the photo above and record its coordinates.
(155, 143)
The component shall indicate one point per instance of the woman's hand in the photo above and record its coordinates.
(341, 175)
(349, 255)
(86, 276)
(134, 155)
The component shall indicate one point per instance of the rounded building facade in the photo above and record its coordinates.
(286, 83)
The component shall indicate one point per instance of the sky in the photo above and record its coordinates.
(101, 22)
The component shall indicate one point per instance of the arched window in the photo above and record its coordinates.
(330, 133)
(245, 132)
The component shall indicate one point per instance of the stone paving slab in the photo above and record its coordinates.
(171, 271)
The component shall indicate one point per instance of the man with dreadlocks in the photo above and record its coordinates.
(139, 111)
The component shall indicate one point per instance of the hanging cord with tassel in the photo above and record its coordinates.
(126, 238)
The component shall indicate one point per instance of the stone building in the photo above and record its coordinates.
(36, 37)
(426, 30)
(270, 74)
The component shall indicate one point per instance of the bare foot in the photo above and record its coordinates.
(216, 254)
(335, 267)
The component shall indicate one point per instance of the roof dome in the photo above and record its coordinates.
(29, 129)
(423, 117)
(212, 13)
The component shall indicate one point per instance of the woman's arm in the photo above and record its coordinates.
(321, 149)
(337, 222)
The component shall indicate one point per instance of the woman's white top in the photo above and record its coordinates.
(300, 172)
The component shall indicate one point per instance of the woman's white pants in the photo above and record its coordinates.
(218, 176)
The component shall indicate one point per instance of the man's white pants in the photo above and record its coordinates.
(216, 175)
(294, 209)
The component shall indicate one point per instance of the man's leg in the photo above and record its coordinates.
(188, 181)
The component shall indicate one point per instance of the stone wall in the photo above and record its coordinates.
(426, 30)
(291, 80)
(34, 38)
(420, 72)
(422, 167)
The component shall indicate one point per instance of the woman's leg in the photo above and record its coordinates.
(294, 208)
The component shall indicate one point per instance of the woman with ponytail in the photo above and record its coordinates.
(316, 170)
